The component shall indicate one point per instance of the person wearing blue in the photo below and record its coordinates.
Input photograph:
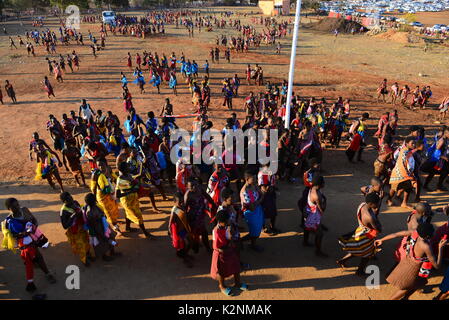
(227, 95)
(194, 69)
(151, 122)
(206, 68)
(123, 80)
(183, 67)
(251, 198)
(140, 80)
(173, 82)
(188, 68)
(156, 80)
(236, 84)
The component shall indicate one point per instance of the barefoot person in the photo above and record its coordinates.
(314, 210)
(421, 214)
(196, 200)
(402, 177)
(48, 87)
(72, 155)
(382, 91)
(126, 190)
(101, 235)
(102, 187)
(438, 162)
(15, 229)
(72, 220)
(411, 273)
(360, 243)
(267, 183)
(251, 198)
(10, 91)
(225, 258)
(47, 168)
(179, 229)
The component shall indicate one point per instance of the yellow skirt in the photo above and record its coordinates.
(132, 208)
(109, 206)
(79, 242)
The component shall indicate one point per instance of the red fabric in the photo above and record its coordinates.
(437, 236)
(355, 143)
(177, 242)
(307, 183)
(400, 252)
(28, 254)
(229, 166)
(225, 263)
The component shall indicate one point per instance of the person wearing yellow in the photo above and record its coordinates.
(101, 186)
(47, 166)
(73, 221)
(402, 176)
(127, 191)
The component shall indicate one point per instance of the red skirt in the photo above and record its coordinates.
(49, 90)
(225, 263)
(400, 252)
(178, 241)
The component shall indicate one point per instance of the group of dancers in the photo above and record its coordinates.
(131, 159)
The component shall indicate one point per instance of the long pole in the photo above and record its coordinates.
(291, 73)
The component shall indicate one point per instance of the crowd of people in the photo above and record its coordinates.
(132, 158)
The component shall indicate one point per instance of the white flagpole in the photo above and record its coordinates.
(291, 74)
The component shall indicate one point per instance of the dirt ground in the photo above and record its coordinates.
(431, 18)
(349, 66)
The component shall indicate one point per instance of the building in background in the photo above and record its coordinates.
(275, 7)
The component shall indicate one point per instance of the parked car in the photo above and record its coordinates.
(416, 24)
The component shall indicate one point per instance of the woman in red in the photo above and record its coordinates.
(248, 74)
(225, 258)
(127, 100)
(129, 63)
(138, 60)
(48, 87)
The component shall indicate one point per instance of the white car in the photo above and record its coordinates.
(416, 24)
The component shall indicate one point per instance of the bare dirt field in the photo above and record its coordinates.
(349, 66)
(431, 18)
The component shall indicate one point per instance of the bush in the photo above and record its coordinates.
(406, 28)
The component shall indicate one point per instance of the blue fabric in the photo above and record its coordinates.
(151, 124)
(139, 79)
(188, 68)
(15, 225)
(444, 286)
(161, 160)
(83, 150)
(156, 80)
(132, 141)
(255, 220)
(105, 223)
(127, 125)
(172, 83)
